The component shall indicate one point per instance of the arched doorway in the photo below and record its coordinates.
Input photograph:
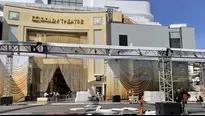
(58, 84)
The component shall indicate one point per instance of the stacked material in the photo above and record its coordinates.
(82, 96)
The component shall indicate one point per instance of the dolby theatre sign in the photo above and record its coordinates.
(38, 19)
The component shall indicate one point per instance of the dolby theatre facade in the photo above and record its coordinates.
(31, 24)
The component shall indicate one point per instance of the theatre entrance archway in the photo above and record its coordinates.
(58, 84)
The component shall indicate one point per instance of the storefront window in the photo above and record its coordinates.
(14, 15)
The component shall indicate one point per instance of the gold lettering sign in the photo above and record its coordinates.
(57, 21)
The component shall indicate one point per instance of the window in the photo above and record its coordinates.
(99, 89)
(175, 35)
(49, 1)
(175, 43)
(123, 40)
(97, 20)
(13, 15)
(66, 2)
(174, 29)
(13, 33)
(175, 38)
(98, 78)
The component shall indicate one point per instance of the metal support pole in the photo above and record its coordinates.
(105, 68)
(110, 14)
(30, 76)
(165, 78)
(8, 77)
(116, 75)
(105, 76)
(202, 76)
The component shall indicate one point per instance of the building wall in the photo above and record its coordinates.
(139, 11)
(150, 36)
(144, 74)
(140, 35)
(26, 1)
(25, 27)
(188, 37)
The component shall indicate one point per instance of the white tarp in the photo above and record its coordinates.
(194, 96)
(154, 96)
(82, 96)
(157, 96)
(150, 113)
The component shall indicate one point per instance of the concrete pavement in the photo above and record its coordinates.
(36, 108)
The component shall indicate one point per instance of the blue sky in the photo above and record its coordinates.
(191, 12)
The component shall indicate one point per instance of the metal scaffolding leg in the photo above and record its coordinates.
(105, 68)
(202, 67)
(116, 87)
(30, 76)
(8, 77)
(165, 78)
(202, 75)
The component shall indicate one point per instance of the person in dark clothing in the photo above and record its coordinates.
(178, 96)
(184, 99)
(201, 99)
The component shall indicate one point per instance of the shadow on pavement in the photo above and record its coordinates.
(22, 108)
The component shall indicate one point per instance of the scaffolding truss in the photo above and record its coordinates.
(116, 77)
(30, 75)
(8, 77)
(202, 75)
(165, 56)
(165, 78)
(58, 50)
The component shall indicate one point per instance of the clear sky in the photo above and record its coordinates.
(191, 12)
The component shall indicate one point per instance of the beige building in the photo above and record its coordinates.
(24, 23)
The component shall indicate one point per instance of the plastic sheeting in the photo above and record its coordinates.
(19, 76)
(2, 73)
(82, 96)
(154, 96)
(157, 96)
(194, 96)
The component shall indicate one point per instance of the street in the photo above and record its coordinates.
(64, 108)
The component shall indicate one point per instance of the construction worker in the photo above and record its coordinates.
(141, 105)
(184, 99)
(130, 96)
(178, 96)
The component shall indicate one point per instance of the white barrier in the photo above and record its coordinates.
(157, 96)
(154, 96)
(150, 113)
(193, 96)
(82, 96)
